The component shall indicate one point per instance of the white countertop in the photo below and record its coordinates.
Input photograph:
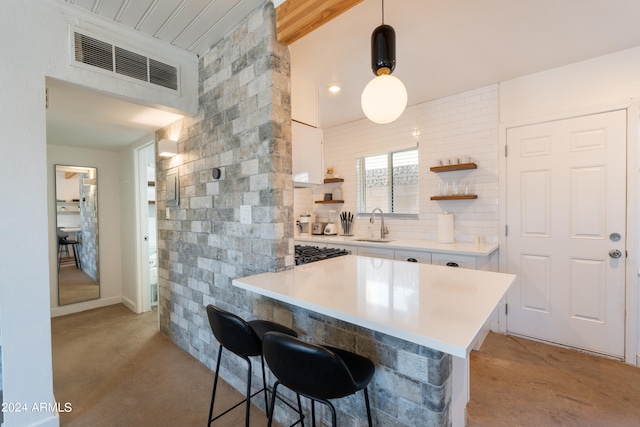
(460, 248)
(439, 307)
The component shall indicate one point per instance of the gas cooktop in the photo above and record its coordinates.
(307, 254)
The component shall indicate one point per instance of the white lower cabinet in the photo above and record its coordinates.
(464, 261)
(376, 252)
(488, 262)
(413, 256)
(452, 260)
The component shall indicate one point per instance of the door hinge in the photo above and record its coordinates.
(505, 150)
(506, 230)
(506, 309)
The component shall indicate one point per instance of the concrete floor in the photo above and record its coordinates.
(116, 369)
(518, 382)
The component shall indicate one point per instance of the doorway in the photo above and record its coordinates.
(146, 173)
(566, 241)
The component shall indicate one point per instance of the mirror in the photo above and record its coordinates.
(77, 231)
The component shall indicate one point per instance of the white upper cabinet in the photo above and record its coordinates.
(305, 135)
(304, 101)
(306, 153)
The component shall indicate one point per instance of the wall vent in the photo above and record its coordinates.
(97, 53)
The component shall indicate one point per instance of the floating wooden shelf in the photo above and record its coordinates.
(151, 183)
(323, 202)
(152, 202)
(463, 197)
(332, 180)
(461, 166)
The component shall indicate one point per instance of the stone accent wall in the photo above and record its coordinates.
(243, 128)
(88, 248)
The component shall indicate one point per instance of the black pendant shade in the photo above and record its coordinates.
(383, 50)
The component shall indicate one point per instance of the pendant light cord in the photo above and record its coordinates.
(383, 12)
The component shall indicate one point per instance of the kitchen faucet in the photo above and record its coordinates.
(383, 229)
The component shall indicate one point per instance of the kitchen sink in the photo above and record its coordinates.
(373, 239)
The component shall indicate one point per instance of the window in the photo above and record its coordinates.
(389, 182)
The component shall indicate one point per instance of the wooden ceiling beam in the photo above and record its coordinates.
(297, 18)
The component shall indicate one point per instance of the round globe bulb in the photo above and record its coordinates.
(384, 99)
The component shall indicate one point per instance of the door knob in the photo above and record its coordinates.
(614, 253)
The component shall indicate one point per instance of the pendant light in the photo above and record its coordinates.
(385, 97)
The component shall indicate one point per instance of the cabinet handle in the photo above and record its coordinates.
(412, 260)
(452, 264)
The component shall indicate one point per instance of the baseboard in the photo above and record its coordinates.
(84, 306)
(495, 327)
(129, 304)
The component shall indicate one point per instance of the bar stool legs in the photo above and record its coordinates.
(244, 339)
(248, 394)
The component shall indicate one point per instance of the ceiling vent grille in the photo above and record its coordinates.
(97, 53)
(131, 64)
(93, 52)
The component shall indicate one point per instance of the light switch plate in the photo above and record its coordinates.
(173, 189)
(245, 214)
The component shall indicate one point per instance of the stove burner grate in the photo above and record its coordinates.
(307, 254)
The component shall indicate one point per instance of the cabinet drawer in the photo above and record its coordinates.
(421, 257)
(463, 261)
(376, 252)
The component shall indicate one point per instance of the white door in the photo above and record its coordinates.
(566, 207)
(147, 291)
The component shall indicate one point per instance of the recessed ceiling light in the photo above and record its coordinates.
(334, 88)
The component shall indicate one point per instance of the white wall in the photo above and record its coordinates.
(595, 82)
(34, 41)
(462, 124)
(107, 165)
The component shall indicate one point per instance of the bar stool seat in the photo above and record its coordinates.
(244, 339)
(317, 372)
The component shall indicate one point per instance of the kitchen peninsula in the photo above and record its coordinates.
(418, 322)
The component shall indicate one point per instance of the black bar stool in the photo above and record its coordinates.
(244, 339)
(317, 372)
(63, 246)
